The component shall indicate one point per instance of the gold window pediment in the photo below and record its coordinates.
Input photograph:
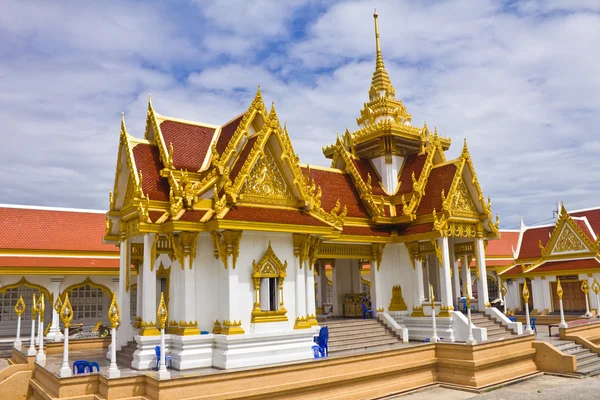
(269, 266)
(266, 183)
(462, 201)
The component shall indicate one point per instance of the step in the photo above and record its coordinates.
(358, 328)
(365, 336)
(568, 347)
(588, 361)
(364, 345)
(590, 369)
(360, 322)
(585, 356)
(360, 340)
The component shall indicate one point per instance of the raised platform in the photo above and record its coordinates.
(359, 376)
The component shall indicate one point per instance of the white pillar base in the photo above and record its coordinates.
(528, 331)
(163, 375)
(55, 336)
(31, 352)
(113, 373)
(40, 358)
(563, 325)
(65, 372)
(238, 351)
(470, 342)
(17, 344)
(145, 355)
(193, 351)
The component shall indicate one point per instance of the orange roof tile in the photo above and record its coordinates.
(59, 262)
(504, 245)
(190, 143)
(414, 229)
(517, 269)
(193, 215)
(147, 159)
(43, 229)
(568, 265)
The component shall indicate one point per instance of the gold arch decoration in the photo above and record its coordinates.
(87, 281)
(269, 266)
(30, 285)
(163, 272)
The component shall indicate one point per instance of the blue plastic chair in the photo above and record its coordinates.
(321, 341)
(92, 364)
(464, 301)
(168, 360)
(513, 319)
(317, 352)
(367, 311)
(81, 367)
(532, 320)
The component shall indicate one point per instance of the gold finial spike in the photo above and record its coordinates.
(379, 60)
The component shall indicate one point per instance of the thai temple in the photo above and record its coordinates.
(249, 252)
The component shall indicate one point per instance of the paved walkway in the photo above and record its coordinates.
(544, 387)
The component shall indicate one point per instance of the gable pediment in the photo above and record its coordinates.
(266, 183)
(569, 241)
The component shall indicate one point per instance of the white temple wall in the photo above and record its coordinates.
(537, 291)
(206, 272)
(396, 269)
(513, 295)
(343, 281)
(253, 246)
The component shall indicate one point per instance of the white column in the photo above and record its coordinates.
(40, 357)
(311, 310)
(31, 351)
(148, 311)
(123, 294)
(482, 288)
(445, 283)
(162, 365)
(54, 335)
(455, 279)
(65, 369)
(337, 307)
(419, 291)
(300, 292)
(17, 343)
(113, 370)
(320, 271)
(189, 289)
(467, 276)
(376, 300)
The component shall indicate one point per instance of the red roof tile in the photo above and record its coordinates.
(190, 143)
(242, 158)
(147, 159)
(504, 245)
(530, 243)
(365, 168)
(414, 229)
(493, 262)
(34, 229)
(337, 186)
(59, 262)
(193, 215)
(593, 217)
(155, 215)
(567, 265)
(226, 134)
(517, 269)
(366, 231)
(439, 179)
(584, 227)
(413, 163)
(272, 215)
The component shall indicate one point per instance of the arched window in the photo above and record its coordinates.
(268, 275)
(9, 295)
(89, 300)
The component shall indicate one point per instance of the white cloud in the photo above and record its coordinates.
(520, 82)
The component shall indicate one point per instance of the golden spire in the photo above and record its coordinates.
(381, 85)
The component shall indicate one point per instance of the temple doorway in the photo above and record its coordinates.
(342, 286)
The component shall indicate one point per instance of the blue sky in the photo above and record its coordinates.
(520, 80)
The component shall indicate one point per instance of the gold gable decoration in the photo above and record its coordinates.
(568, 241)
(266, 183)
(462, 201)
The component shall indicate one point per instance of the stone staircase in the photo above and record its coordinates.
(360, 334)
(125, 355)
(588, 363)
(495, 330)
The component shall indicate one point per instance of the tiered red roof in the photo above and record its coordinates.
(147, 159)
(504, 246)
(530, 247)
(272, 215)
(365, 168)
(191, 143)
(58, 262)
(338, 186)
(227, 132)
(568, 265)
(592, 215)
(440, 179)
(412, 163)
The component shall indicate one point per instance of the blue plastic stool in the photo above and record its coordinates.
(81, 367)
